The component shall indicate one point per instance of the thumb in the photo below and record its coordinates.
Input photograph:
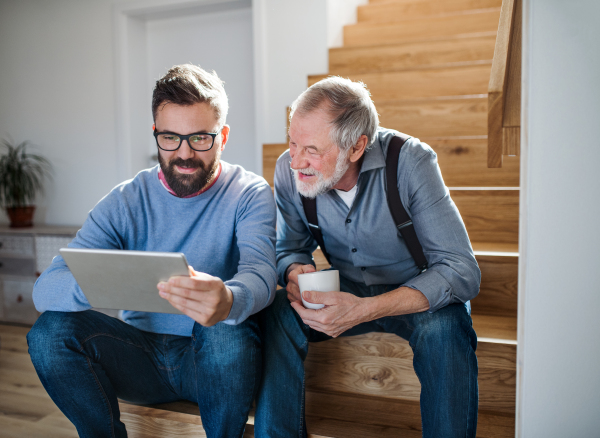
(314, 297)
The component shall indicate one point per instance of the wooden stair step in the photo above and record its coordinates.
(328, 415)
(495, 327)
(453, 117)
(371, 59)
(489, 215)
(422, 28)
(392, 417)
(497, 300)
(396, 11)
(463, 162)
(380, 364)
(498, 294)
(470, 79)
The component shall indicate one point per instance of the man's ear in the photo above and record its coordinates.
(224, 136)
(358, 150)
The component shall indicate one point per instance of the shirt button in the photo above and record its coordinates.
(363, 269)
(348, 221)
(354, 250)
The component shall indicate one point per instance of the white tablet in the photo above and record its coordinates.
(125, 280)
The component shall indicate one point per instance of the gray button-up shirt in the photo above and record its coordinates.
(363, 242)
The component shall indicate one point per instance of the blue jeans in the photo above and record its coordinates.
(443, 344)
(86, 360)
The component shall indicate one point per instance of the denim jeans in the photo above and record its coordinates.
(86, 360)
(443, 344)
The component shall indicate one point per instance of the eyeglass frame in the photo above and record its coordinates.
(186, 138)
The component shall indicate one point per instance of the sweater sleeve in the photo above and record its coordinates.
(56, 289)
(253, 286)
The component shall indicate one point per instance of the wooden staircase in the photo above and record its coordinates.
(427, 64)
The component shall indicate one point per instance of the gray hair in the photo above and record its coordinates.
(188, 84)
(350, 105)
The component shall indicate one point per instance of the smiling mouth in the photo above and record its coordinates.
(186, 170)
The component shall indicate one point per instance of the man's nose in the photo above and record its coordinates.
(185, 151)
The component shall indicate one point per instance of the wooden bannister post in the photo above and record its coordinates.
(504, 91)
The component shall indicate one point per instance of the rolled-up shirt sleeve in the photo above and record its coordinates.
(453, 275)
(295, 243)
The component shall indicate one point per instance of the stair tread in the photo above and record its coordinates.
(497, 329)
(467, 80)
(396, 11)
(500, 248)
(422, 28)
(344, 60)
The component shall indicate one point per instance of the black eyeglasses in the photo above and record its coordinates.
(199, 141)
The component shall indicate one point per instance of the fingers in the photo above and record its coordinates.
(307, 268)
(293, 292)
(202, 318)
(199, 281)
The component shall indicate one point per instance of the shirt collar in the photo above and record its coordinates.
(373, 158)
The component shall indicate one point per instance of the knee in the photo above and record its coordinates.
(447, 329)
(48, 336)
(228, 344)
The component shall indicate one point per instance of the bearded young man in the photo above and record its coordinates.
(338, 157)
(223, 219)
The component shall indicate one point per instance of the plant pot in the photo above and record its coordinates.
(20, 217)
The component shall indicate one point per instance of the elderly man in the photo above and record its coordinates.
(223, 219)
(411, 277)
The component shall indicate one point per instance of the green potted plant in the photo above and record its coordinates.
(22, 176)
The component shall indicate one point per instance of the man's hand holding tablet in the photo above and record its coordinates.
(200, 296)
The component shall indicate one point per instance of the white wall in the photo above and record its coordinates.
(559, 281)
(291, 41)
(220, 41)
(57, 90)
(59, 85)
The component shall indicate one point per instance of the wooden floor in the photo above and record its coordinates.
(26, 410)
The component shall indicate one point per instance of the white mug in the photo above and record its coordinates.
(322, 281)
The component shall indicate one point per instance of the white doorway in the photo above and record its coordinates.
(151, 39)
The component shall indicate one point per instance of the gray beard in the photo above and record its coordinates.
(322, 185)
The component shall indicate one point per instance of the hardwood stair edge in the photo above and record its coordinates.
(444, 66)
(428, 16)
(415, 68)
(422, 40)
(472, 35)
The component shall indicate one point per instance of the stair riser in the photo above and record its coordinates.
(395, 11)
(498, 292)
(380, 364)
(443, 118)
(489, 215)
(425, 83)
(419, 29)
(463, 162)
(355, 60)
(391, 417)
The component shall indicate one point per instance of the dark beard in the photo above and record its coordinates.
(185, 185)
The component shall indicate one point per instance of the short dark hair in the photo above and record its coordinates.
(188, 84)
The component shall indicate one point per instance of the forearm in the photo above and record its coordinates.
(401, 301)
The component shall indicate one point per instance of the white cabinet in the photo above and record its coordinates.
(24, 254)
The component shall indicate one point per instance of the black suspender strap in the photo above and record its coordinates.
(401, 218)
(310, 210)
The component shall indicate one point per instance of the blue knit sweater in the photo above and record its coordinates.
(227, 231)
